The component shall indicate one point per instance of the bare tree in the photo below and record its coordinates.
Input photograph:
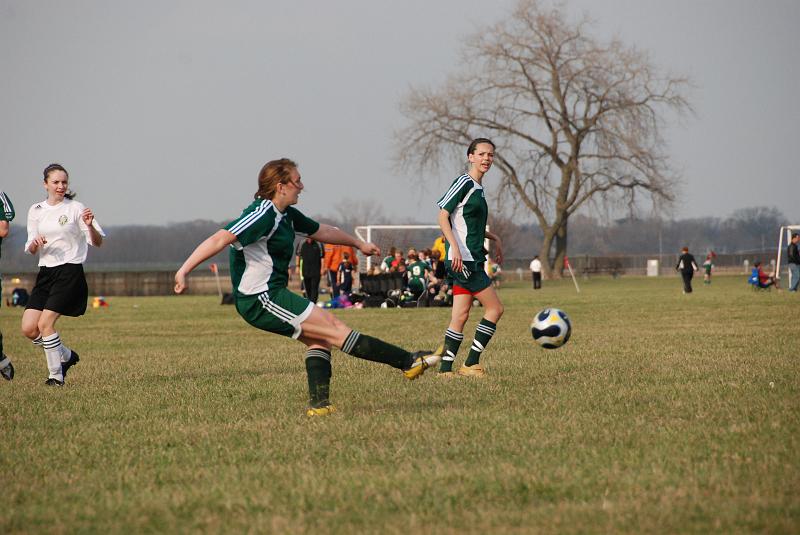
(576, 122)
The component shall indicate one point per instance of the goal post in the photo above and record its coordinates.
(401, 236)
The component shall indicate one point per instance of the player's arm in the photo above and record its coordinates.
(211, 246)
(95, 238)
(498, 245)
(35, 240)
(329, 234)
(447, 230)
(3, 228)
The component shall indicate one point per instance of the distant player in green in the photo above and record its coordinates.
(6, 216)
(417, 275)
(463, 213)
(261, 244)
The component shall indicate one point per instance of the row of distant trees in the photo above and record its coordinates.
(136, 247)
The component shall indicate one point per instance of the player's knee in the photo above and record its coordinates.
(30, 330)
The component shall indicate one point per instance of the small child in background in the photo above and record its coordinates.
(345, 275)
(708, 265)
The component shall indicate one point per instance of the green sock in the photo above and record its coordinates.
(369, 348)
(483, 333)
(318, 367)
(452, 341)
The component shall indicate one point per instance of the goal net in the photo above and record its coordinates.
(401, 237)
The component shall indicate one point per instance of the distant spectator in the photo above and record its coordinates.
(333, 257)
(439, 245)
(309, 267)
(793, 259)
(398, 262)
(687, 266)
(761, 279)
(536, 272)
(345, 275)
(708, 265)
(417, 275)
(386, 264)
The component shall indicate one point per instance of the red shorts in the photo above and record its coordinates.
(460, 290)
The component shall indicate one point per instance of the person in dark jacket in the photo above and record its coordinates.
(309, 267)
(793, 259)
(687, 266)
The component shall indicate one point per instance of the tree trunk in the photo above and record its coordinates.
(544, 255)
(561, 248)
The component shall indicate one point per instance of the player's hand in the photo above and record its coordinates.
(88, 216)
(498, 252)
(37, 243)
(369, 249)
(180, 282)
(456, 263)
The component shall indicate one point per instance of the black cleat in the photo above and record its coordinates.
(53, 382)
(73, 360)
(6, 368)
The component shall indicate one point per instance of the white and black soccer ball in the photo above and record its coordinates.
(551, 328)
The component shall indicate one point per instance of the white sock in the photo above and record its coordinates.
(52, 352)
(66, 353)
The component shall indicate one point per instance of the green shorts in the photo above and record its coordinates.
(279, 311)
(473, 278)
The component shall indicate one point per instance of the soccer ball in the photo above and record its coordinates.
(551, 328)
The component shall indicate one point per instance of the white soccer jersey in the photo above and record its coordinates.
(66, 234)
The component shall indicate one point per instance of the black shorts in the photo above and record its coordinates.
(61, 289)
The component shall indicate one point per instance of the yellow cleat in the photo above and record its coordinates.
(476, 370)
(446, 375)
(321, 411)
(422, 361)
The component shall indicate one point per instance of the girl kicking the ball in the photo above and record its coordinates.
(463, 213)
(261, 243)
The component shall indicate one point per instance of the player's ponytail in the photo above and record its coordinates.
(274, 173)
(58, 167)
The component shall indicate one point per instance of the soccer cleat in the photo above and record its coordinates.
(446, 375)
(323, 409)
(6, 368)
(476, 370)
(73, 360)
(422, 360)
(54, 382)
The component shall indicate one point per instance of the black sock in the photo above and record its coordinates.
(318, 367)
(483, 333)
(369, 348)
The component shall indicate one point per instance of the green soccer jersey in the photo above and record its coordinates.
(417, 270)
(261, 255)
(6, 210)
(468, 210)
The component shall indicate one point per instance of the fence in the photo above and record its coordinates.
(147, 283)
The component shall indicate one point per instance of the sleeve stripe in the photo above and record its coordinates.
(250, 218)
(460, 181)
(6, 203)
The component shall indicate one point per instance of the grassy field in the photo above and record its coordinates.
(665, 413)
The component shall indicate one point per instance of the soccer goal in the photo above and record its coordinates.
(782, 245)
(402, 237)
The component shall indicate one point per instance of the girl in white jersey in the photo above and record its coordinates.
(261, 244)
(59, 230)
(462, 217)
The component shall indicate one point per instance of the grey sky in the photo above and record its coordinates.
(165, 111)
